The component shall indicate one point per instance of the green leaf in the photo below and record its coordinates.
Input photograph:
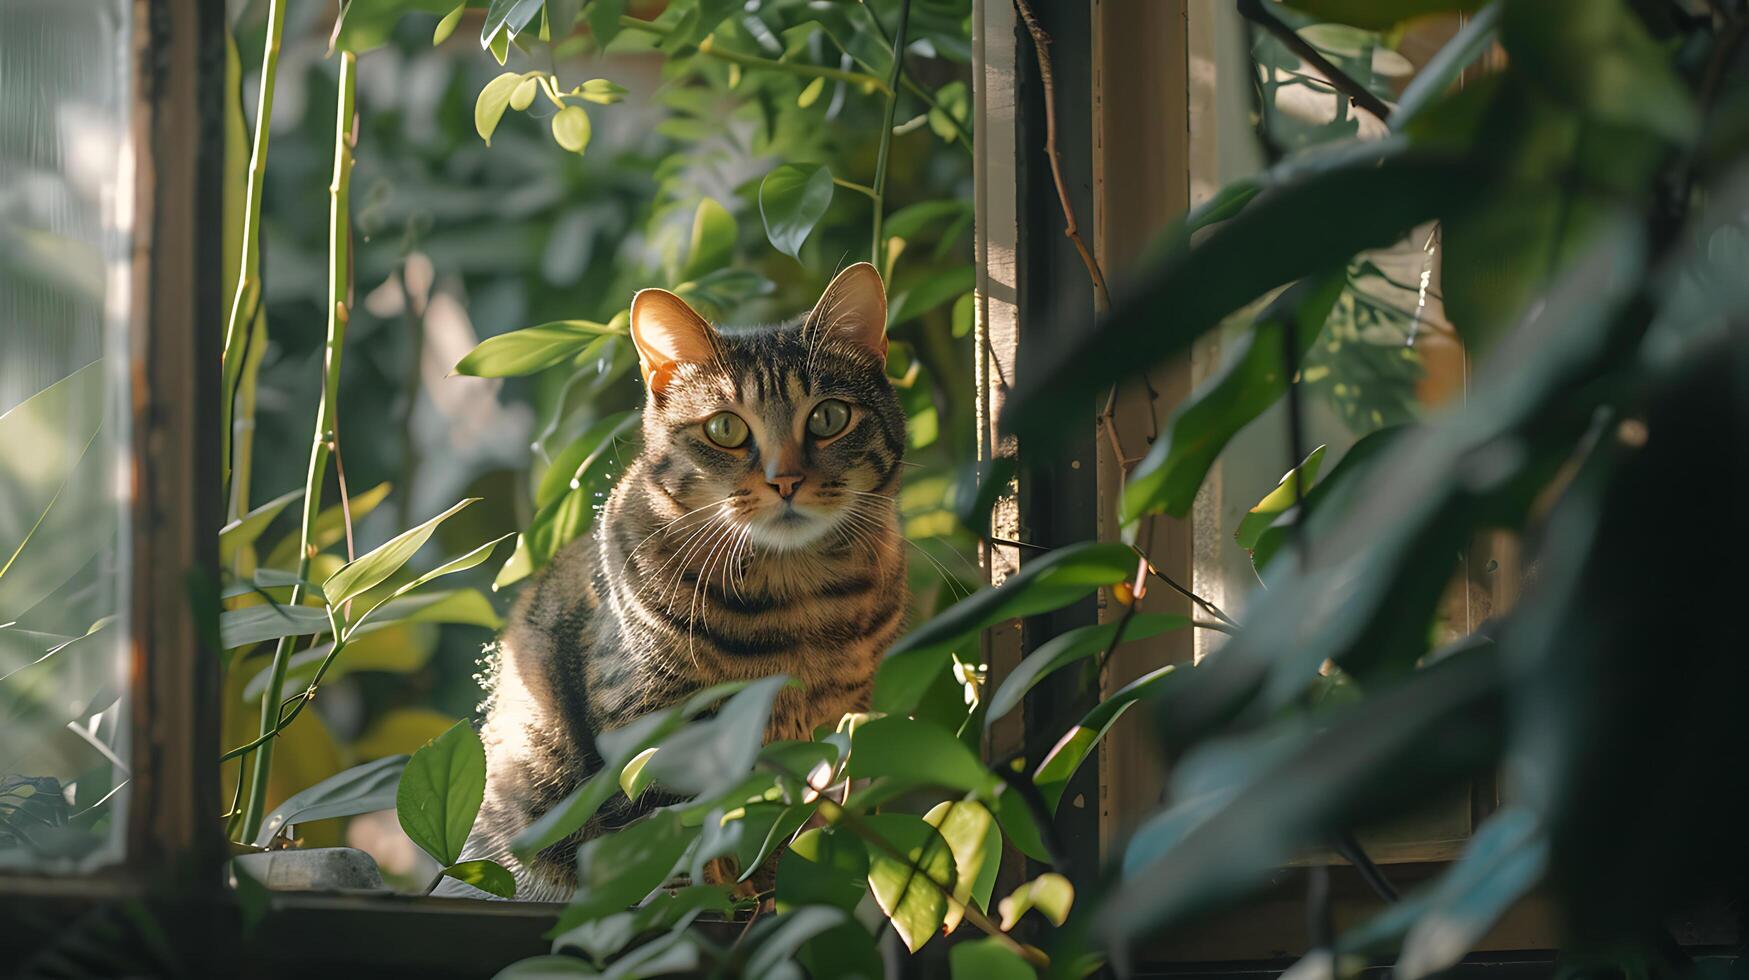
(493, 100)
(987, 959)
(823, 866)
(531, 349)
(777, 939)
(617, 870)
(330, 526)
(1067, 648)
(846, 952)
(1278, 501)
(1167, 479)
(371, 569)
(1237, 262)
(915, 220)
(633, 779)
(488, 876)
(447, 25)
(709, 756)
(1058, 767)
(934, 290)
(256, 624)
(571, 128)
(1374, 16)
(361, 789)
(912, 881)
(792, 200)
(245, 530)
(1052, 582)
(713, 240)
(590, 453)
(500, 47)
(441, 790)
(56, 513)
(916, 752)
(1331, 492)
(602, 938)
(967, 827)
(1019, 826)
(1050, 893)
(1596, 56)
(811, 93)
(460, 563)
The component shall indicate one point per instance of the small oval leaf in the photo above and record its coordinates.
(792, 200)
(571, 128)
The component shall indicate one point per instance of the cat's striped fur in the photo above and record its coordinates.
(709, 563)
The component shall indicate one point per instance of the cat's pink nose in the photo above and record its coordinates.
(785, 483)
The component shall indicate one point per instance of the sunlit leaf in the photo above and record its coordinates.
(1282, 498)
(710, 755)
(447, 25)
(1058, 767)
(358, 576)
(243, 532)
(713, 240)
(1067, 648)
(488, 876)
(1050, 893)
(440, 792)
(531, 349)
(493, 99)
(823, 866)
(911, 881)
(967, 827)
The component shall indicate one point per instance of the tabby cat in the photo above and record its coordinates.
(756, 533)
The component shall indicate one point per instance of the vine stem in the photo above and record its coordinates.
(754, 61)
(886, 149)
(339, 266)
(248, 290)
(1041, 43)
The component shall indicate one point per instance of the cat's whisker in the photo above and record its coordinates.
(647, 538)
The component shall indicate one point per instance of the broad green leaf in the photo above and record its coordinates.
(967, 828)
(598, 446)
(617, 870)
(775, 941)
(441, 790)
(487, 876)
(55, 511)
(713, 240)
(1595, 55)
(1052, 582)
(461, 563)
(243, 532)
(1239, 261)
(571, 128)
(911, 873)
(1050, 893)
(1167, 479)
(792, 200)
(846, 952)
(918, 752)
(493, 100)
(935, 289)
(1433, 730)
(823, 866)
(1067, 648)
(1375, 16)
(601, 938)
(1278, 501)
(1058, 767)
(447, 25)
(531, 349)
(371, 569)
(709, 756)
(361, 789)
(256, 624)
(987, 959)
(364, 26)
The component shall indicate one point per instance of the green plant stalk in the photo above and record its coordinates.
(880, 179)
(339, 272)
(243, 420)
(752, 61)
(248, 291)
(908, 84)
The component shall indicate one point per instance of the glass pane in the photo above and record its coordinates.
(65, 183)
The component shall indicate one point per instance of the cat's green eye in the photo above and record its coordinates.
(828, 418)
(726, 429)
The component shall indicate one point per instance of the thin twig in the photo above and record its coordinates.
(1253, 10)
(1204, 604)
(1041, 43)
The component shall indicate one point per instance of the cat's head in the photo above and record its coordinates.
(787, 431)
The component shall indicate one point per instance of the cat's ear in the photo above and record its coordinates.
(854, 308)
(668, 333)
